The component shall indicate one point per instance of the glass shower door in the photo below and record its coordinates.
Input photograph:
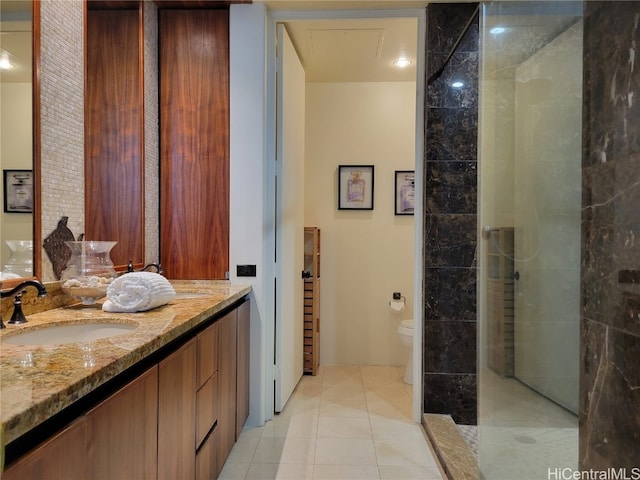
(547, 203)
(530, 132)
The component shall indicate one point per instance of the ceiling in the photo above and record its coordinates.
(355, 50)
(15, 7)
(15, 40)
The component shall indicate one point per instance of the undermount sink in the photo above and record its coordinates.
(64, 334)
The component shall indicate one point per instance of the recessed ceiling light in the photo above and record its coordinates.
(457, 84)
(402, 62)
(5, 63)
(497, 30)
(5, 60)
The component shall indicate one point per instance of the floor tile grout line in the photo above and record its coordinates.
(366, 401)
(311, 465)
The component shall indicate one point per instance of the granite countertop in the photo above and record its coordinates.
(38, 381)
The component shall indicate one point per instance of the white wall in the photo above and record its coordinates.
(248, 197)
(16, 153)
(365, 255)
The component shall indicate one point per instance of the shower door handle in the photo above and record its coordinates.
(516, 276)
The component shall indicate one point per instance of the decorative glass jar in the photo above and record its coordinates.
(20, 263)
(89, 271)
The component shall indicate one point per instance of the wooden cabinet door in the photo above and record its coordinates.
(177, 413)
(59, 458)
(227, 364)
(242, 411)
(122, 432)
(194, 143)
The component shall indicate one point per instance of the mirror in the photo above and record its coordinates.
(19, 29)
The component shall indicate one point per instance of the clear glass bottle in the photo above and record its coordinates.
(20, 263)
(89, 271)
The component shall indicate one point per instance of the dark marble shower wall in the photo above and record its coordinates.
(610, 324)
(451, 137)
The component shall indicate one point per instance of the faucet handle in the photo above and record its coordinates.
(18, 316)
(18, 291)
(157, 266)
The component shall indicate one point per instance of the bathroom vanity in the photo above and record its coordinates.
(165, 399)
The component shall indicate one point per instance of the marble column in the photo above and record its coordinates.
(610, 318)
(449, 356)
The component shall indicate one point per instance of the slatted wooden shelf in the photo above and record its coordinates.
(312, 300)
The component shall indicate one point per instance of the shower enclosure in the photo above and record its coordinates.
(530, 137)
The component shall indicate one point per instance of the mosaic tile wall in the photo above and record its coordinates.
(449, 358)
(62, 119)
(151, 134)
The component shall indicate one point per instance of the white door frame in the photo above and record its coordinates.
(287, 15)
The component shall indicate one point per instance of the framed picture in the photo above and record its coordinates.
(18, 191)
(355, 187)
(405, 191)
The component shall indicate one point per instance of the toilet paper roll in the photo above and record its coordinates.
(397, 305)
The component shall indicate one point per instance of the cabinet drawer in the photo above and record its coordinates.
(207, 354)
(206, 408)
(207, 458)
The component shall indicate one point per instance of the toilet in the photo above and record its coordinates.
(405, 330)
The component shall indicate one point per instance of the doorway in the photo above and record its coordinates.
(357, 324)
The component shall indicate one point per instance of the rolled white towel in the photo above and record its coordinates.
(138, 292)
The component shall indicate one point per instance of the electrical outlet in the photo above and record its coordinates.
(246, 270)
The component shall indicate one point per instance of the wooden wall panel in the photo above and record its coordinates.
(194, 143)
(113, 4)
(207, 4)
(114, 148)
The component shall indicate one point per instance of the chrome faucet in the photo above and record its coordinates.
(18, 316)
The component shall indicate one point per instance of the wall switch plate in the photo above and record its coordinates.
(246, 270)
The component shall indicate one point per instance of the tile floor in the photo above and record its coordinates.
(346, 423)
(522, 434)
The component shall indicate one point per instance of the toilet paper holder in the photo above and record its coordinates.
(397, 296)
